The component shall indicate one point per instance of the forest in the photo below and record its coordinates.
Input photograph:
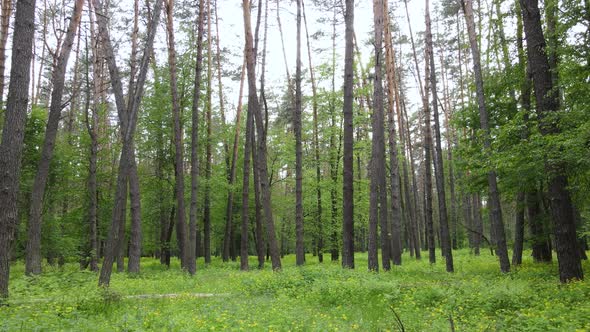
(400, 165)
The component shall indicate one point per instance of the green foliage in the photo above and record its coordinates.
(318, 297)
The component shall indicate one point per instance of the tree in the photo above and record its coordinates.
(316, 147)
(254, 106)
(438, 158)
(13, 132)
(348, 143)
(33, 258)
(300, 250)
(208, 145)
(378, 213)
(192, 247)
(128, 120)
(494, 195)
(547, 101)
(181, 234)
(393, 103)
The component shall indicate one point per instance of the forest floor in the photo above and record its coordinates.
(316, 297)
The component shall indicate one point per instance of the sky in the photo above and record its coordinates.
(231, 28)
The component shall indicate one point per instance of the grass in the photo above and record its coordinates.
(317, 297)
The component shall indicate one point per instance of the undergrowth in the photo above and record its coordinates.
(416, 296)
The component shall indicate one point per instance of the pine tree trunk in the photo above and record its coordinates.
(128, 116)
(547, 98)
(427, 136)
(518, 230)
(496, 221)
(393, 103)
(347, 165)
(438, 157)
(192, 237)
(208, 146)
(33, 251)
(378, 209)
(13, 132)
(319, 224)
(245, 188)
(254, 105)
(299, 232)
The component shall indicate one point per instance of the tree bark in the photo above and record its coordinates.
(245, 182)
(427, 137)
(13, 132)
(316, 147)
(208, 147)
(547, 97)
(378, 213)
(192, 247)
(299, 231)
(518, 230)
(128, 116)
(497, 224)
(438, 156)
(33, 251)
(254, 105)
(181, 234)
(393, 103)
(348, 144)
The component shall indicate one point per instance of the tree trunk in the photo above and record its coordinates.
(33, 256)
(378, 213)
(518, 230)
(13, 132)
(254, 105)
(245, 187)
(347, 165)
(316, 147)
(259, 229)
(497, 224)
(427, 136)
(393, 103)
(208, 147)
(547, 97)
(192, 238)
(438, 156)
(92, 124)
(477, 224)
(299, 248)
(128, 117)
(540, 239)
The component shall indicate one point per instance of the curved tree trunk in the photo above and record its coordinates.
(33, 251)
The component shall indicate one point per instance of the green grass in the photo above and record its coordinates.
(318, 297)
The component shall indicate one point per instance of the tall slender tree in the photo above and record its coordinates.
(392, 106)
(496, 220)
(13, 132)
(378, 213)
(348, 153)
(438, 157)
(192, 247)
(33, 256)
(254, 105)
(299, 249)
(128, 115)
